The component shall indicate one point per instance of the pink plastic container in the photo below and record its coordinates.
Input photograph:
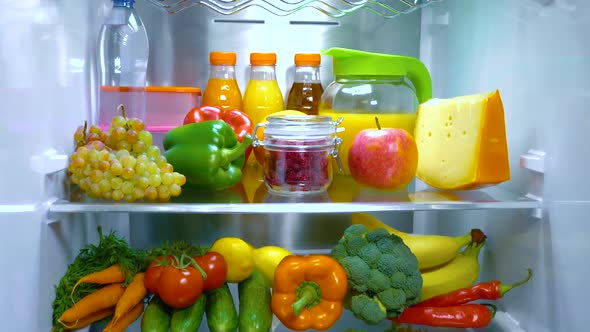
(165, 106)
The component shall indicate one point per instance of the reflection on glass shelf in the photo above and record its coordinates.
(343, 196)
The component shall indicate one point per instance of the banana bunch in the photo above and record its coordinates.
(444, 264)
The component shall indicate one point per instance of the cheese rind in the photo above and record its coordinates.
(462, 142)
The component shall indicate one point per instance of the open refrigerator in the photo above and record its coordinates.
(534, 51)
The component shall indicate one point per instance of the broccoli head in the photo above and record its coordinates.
(355, 244)
(392, 298)
(382, 272)
(368, 309)
(357, 272)
(377, 234)
(370, 254)
(378, 281)
(339, 251)
(413, 289)
(355, 230)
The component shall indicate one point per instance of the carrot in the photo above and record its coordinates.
(134, 293)
(110, 275)
(125, 320)
(92, 318)
(102, 298)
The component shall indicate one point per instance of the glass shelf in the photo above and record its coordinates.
(331, 8)
(343, 196)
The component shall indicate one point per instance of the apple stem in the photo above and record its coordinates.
(377, 121)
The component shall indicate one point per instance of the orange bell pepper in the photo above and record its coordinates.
(308, 292)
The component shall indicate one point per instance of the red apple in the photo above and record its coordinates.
(383, 158)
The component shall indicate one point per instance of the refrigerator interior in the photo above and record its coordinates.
(534, 51)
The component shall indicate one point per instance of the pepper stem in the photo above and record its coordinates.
(308, 295)
(492, 307)
(234, 153)
(505, 288)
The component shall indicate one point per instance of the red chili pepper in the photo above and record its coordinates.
(239, 121)
(492, 290)
(460, 316)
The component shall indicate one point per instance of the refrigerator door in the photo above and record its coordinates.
(536, 54)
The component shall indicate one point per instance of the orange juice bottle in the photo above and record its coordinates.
(263, 95)
(222, 87)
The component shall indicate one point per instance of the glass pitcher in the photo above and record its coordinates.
(371, 84)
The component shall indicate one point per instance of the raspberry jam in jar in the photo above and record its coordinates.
(298, 153)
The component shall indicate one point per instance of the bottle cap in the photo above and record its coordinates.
(222, 58)
(263, 59)
(308, 59)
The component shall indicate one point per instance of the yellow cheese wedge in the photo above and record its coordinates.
(462, 142)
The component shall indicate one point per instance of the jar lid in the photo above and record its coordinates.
(300, 125)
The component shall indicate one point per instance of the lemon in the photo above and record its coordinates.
(266, 260)
(238, 255)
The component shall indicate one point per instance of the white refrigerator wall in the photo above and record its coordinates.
(536, 53)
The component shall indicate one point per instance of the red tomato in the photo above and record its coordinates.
(215, 268)
(153, 273)
(180, 288)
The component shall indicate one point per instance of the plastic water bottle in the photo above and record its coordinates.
(123, 53)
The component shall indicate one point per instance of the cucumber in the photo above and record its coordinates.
(254, 296)
(156, 317)
(220, 310)
(188, 319)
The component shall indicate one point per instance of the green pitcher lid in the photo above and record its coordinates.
(349, 62)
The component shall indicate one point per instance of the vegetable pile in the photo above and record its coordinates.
(382, 271)
(371, 273)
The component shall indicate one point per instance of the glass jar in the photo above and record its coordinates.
(298, 153)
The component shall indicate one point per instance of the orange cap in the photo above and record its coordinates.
(307, 59)
(263, 59)
(222, 58)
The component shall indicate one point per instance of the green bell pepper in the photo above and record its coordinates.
(207, 153)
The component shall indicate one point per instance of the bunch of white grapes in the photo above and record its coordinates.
(122, 164)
